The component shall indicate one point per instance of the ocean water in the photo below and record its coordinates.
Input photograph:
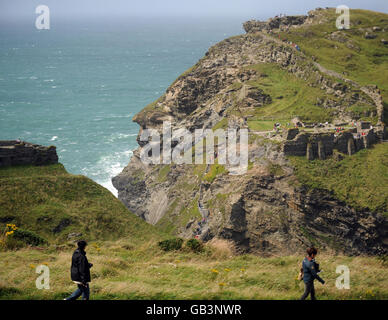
(78, 85)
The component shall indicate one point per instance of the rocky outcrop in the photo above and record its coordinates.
(263, 211)
(253, 26)
(271, 218)
(23, 153)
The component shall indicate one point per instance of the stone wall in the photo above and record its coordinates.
(322, 145)
(14, 152)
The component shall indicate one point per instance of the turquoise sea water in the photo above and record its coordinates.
(78, 85)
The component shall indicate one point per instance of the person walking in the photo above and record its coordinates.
(310, 271)
(80, 272)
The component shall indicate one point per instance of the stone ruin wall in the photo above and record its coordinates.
(14, 152)
(322, 145)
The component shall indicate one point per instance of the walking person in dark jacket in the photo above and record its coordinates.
(80, 272)
(310, 273)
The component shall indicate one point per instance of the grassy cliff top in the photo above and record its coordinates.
(52, 203)
(348, 51)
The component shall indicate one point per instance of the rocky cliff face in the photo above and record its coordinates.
(265, 210)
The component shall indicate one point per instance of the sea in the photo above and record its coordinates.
(78, 84)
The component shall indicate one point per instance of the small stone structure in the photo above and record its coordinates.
(253, 26)
(13, 152)
(321, 145)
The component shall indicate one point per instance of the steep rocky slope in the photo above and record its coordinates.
(251, 81)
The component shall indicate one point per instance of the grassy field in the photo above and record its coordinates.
(361, 180)
(125, 271)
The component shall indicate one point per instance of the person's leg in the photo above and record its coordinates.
(76, 294)
(307, 289)
(85, 292)
(312, 291)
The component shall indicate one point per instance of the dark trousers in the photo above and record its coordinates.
(308, 289)
(81, 290)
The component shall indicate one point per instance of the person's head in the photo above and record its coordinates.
(82, 244)
(312, 252)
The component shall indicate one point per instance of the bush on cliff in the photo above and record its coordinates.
(171, 244)
(194, 245)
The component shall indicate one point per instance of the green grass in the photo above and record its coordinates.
(276, 169)
(291, 96)
(215, 170)
(367, 66)
(360, 180)
(124, 271)
(163, 172)
(267, 125)
(173, 220)
(39, 199)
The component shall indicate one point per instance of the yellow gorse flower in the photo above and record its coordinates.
(222, 284)
(8, 233)
(214, 270)
(227, 270)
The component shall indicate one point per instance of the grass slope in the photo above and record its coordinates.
(362, 60)
(360, 180)
(291, 96)
(53, 203)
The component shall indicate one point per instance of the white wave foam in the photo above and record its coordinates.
(54, 138)
(118, 136)
(108, 167)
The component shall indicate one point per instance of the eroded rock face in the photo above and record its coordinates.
(278, 219)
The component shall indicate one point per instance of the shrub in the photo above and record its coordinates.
(194, 245)
(28, 237)
(171, 244)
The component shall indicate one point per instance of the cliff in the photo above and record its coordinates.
(260, 81)
(50, 206)
(23, 153)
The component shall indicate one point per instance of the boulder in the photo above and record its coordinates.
(370, 35)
